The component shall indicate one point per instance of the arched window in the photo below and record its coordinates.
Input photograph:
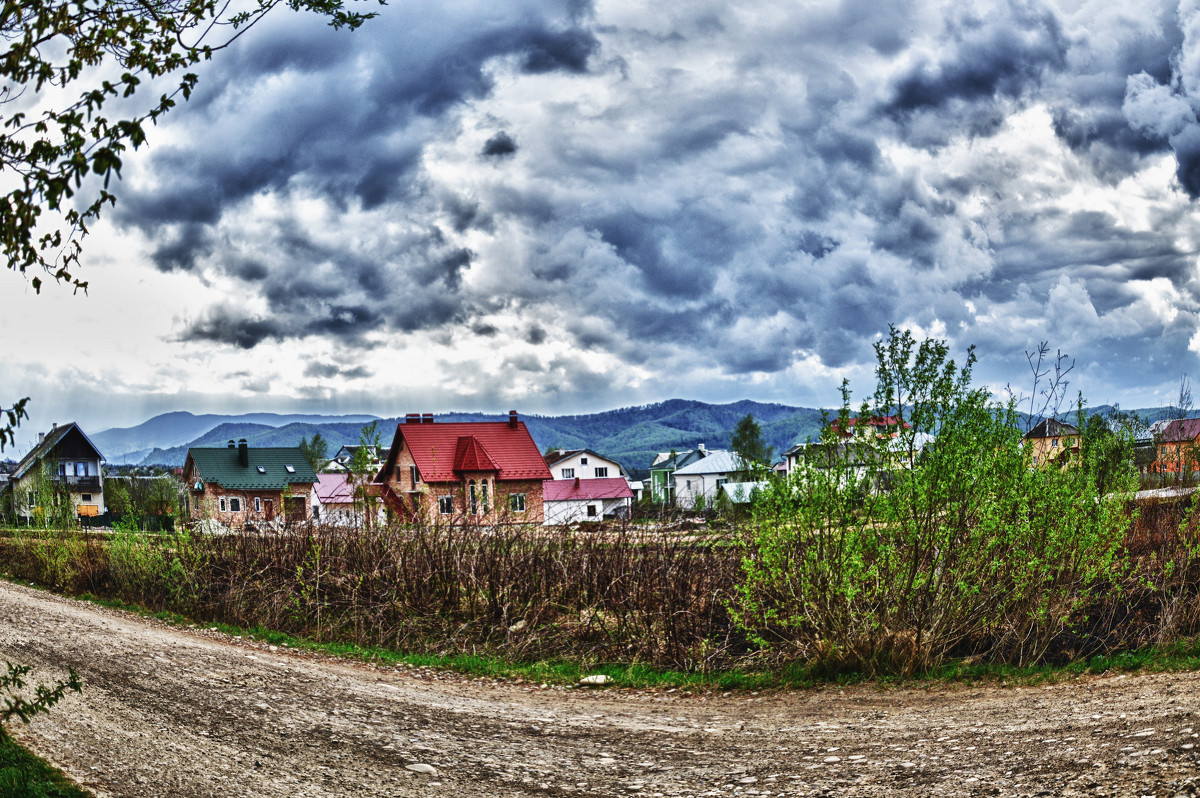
(474, 500)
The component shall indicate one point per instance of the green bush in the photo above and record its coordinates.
(883, 555)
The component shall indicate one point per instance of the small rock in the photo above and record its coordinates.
(595, 679)
(421, 767)
(748, 780)
(831, 759)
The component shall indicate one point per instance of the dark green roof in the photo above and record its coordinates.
(220, 465)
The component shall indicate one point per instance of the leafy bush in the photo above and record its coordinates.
(892, 550)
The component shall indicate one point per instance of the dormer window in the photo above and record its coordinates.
(262, 469)
(290, 469)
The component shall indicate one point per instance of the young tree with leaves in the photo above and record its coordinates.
(752, 452)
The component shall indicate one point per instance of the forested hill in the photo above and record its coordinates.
(630, 435)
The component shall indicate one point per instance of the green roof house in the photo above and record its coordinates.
(236, 485)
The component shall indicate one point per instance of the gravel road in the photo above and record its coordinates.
(186, 712)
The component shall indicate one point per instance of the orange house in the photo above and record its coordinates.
(1178, 447)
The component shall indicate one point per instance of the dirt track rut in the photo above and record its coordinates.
(179, 712)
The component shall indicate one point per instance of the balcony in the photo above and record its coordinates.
(80, 484)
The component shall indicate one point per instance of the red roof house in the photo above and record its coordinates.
(489, 471)
(571, 500)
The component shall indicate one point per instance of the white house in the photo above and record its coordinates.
(704, 477)
(570, 500)
(582, 464)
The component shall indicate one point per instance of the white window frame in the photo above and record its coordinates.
(258, 504)
(601, 472)
(583, 461)
(568, 473)
(414, 474)
(222, 504)
(446, 505)
(516, 502)
(232, 501)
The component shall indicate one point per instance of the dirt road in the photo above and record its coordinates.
(193, 713)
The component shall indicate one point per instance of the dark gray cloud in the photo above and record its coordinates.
(499, 146)
(326, 371)
(696, 191)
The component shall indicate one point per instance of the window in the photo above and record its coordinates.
(601, 471)
(235, 505)
(474, 500)
(412, 473)
(87, 497)
(483, 488)
(446, 505)
(290, 469)
(689, 484)
(257, 504)
(516, 502)
(222, 505)
(591, 510)
(583, 461)
(568, 473)
(262, 469)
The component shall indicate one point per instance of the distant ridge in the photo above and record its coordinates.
(630, 435)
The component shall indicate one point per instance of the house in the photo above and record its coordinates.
(64, 460)
(571, 500)
(702, 478)
(1052, 441)
(236, 484)
(582, 464)
(485, 471)
(742, 492)
(662, 470)
(1178, 447)
(343, 459)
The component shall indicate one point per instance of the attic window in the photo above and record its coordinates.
(290, 469)
(262, 469)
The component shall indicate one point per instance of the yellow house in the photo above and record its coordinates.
(1053, 441)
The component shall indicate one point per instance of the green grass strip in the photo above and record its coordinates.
(23, 775)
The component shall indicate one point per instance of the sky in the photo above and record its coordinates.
(564, 206)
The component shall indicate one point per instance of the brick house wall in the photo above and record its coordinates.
(423, 498)
(207, 504)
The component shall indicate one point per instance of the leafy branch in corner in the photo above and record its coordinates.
(13, 416)
(23, 709)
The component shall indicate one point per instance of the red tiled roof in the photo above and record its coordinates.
(873, 421)
(490, 446)
(1181, 430)
(561, 490)
(469, 455)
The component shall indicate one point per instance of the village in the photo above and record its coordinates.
(481, 472)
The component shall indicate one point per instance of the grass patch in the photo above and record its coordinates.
(23, 775)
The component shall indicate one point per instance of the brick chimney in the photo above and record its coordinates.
(412, 418)
(427, 418)
(243, 453)
(512, 419)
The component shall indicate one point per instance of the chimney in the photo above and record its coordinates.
(243, 453)
(703, 450)
(412, 418)
(512, 419)
(53, 426)
(41, 437)
(231, 444)
(576, 483)
(427, 418)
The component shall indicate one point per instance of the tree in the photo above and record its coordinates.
(47, 155)
(316, 451)
(753, 453)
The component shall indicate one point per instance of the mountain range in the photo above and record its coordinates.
(630, 435)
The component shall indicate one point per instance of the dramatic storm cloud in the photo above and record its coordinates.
(565, 206)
